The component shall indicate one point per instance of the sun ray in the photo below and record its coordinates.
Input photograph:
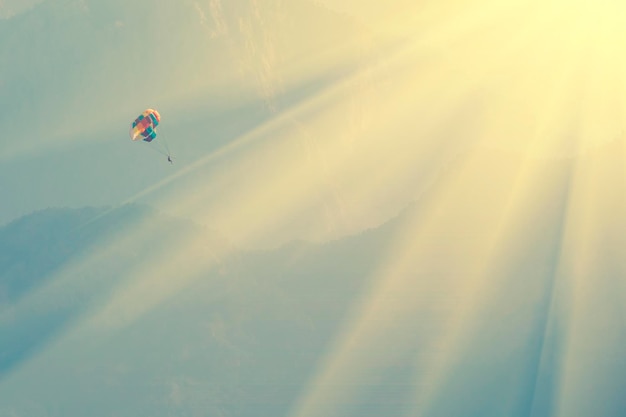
(385, 305)
(533, 80)
(590, 314)
(548, 127)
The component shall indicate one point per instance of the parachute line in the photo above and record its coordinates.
(154, 148)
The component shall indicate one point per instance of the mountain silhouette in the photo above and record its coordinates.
(204, 327)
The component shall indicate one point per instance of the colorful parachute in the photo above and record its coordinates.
(144, 126)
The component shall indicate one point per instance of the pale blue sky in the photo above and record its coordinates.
(75, 73)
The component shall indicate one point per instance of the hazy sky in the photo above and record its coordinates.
(293, 108)
(317, 120)
(228, 80)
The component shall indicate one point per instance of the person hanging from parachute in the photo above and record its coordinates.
(143, 128)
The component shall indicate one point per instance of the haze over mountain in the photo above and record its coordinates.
(131, 312)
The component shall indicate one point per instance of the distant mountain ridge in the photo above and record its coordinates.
(34, 245)
(163, 309)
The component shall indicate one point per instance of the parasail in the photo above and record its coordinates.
(144, 126)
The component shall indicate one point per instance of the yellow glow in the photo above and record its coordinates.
(550, 69)
(540, 78)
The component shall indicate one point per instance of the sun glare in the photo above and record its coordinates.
(549, 74)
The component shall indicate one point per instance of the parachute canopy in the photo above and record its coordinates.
(144, 126)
